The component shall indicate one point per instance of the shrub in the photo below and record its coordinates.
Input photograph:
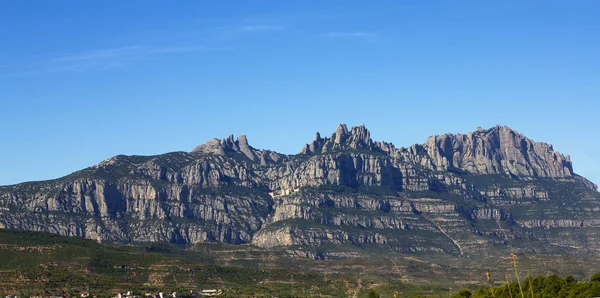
(464, 293)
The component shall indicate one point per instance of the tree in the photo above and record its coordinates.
(552, 285)
(464, 293)
(373, 294)
(593, 291)
(595, 277)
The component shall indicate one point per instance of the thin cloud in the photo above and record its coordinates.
(257, 28)
(126, 55)
(99, 54)
(84, 67)
(176, 49)
(232, 33)
(103, 59)
(367, 36)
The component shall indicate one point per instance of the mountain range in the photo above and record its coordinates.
(468, 195)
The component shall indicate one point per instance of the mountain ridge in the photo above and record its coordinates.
(455, 193)
(358, 137)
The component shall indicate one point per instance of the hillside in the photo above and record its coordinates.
(467, 195)
(34, 264)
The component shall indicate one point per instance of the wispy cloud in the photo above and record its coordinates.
(176, 49)
(173, 43)
(367, 36)
(257, 28)
(103, 59)
(230, 33)
(98, 54)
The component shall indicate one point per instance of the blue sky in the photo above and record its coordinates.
(81, 81)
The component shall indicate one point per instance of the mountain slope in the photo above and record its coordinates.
(464, 194)
(41, 264)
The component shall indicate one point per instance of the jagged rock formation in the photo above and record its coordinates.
(463, 194)
(357, 138)
(499, 150)
(241, 147)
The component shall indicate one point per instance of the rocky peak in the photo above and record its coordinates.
(227, 145)
(498, 150)
(213, 145)
(341, 133)
(358, 137)
(245, 148)
(242, 140)
(240, 145)
(314, 145)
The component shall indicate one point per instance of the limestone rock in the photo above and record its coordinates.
(459, 194)
(499, 150)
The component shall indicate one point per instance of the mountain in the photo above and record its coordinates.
(460, 194)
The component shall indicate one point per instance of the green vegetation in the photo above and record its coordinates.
(404, 290)
(373, 294)
(552, 286)
(34, 263)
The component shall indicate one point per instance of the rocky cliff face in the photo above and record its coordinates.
(499, 150)
(464, 194)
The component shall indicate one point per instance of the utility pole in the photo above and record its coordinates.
(292, 284)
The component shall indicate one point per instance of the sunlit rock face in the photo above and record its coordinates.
(499, 150)
(461, 194)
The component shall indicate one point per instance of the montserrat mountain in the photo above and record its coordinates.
(460, 194)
